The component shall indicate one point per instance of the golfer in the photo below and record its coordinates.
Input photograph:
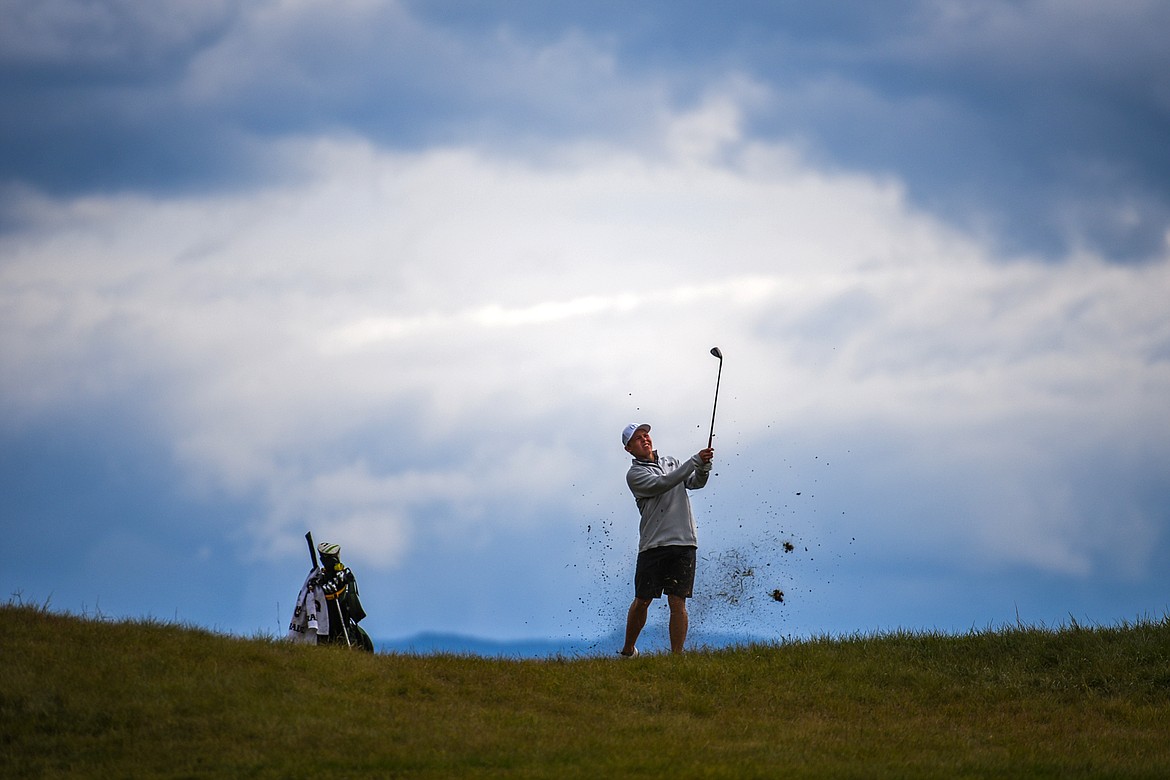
(666, 534)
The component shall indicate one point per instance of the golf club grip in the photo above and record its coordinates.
(312, 549)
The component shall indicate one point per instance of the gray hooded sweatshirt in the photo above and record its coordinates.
(660, 490)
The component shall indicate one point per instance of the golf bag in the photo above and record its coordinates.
(329, 608)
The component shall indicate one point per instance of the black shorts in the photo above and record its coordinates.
(669, 570)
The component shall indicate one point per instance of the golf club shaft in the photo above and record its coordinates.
(715, 406)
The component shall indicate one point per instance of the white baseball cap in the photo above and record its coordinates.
(630, 430)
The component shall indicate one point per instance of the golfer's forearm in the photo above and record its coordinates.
(646, 484)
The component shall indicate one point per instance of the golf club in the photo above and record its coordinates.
(715, 351)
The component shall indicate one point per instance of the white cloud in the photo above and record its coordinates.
(446, 333)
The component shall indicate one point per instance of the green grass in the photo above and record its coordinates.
(94, 698)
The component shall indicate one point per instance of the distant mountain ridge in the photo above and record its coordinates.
(436, 643)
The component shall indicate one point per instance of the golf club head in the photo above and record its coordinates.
(715, 351)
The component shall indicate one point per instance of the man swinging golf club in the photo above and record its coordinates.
(667, 539)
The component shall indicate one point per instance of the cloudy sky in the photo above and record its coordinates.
(399, 272)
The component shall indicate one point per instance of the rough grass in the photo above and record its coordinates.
(90, 698)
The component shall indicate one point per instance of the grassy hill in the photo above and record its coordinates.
(92, 698)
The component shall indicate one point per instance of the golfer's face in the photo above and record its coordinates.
(640, 445)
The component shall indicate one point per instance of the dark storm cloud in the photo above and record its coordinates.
(87, 97)
(134, 104)
(1040, 123)
(1044, 120)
